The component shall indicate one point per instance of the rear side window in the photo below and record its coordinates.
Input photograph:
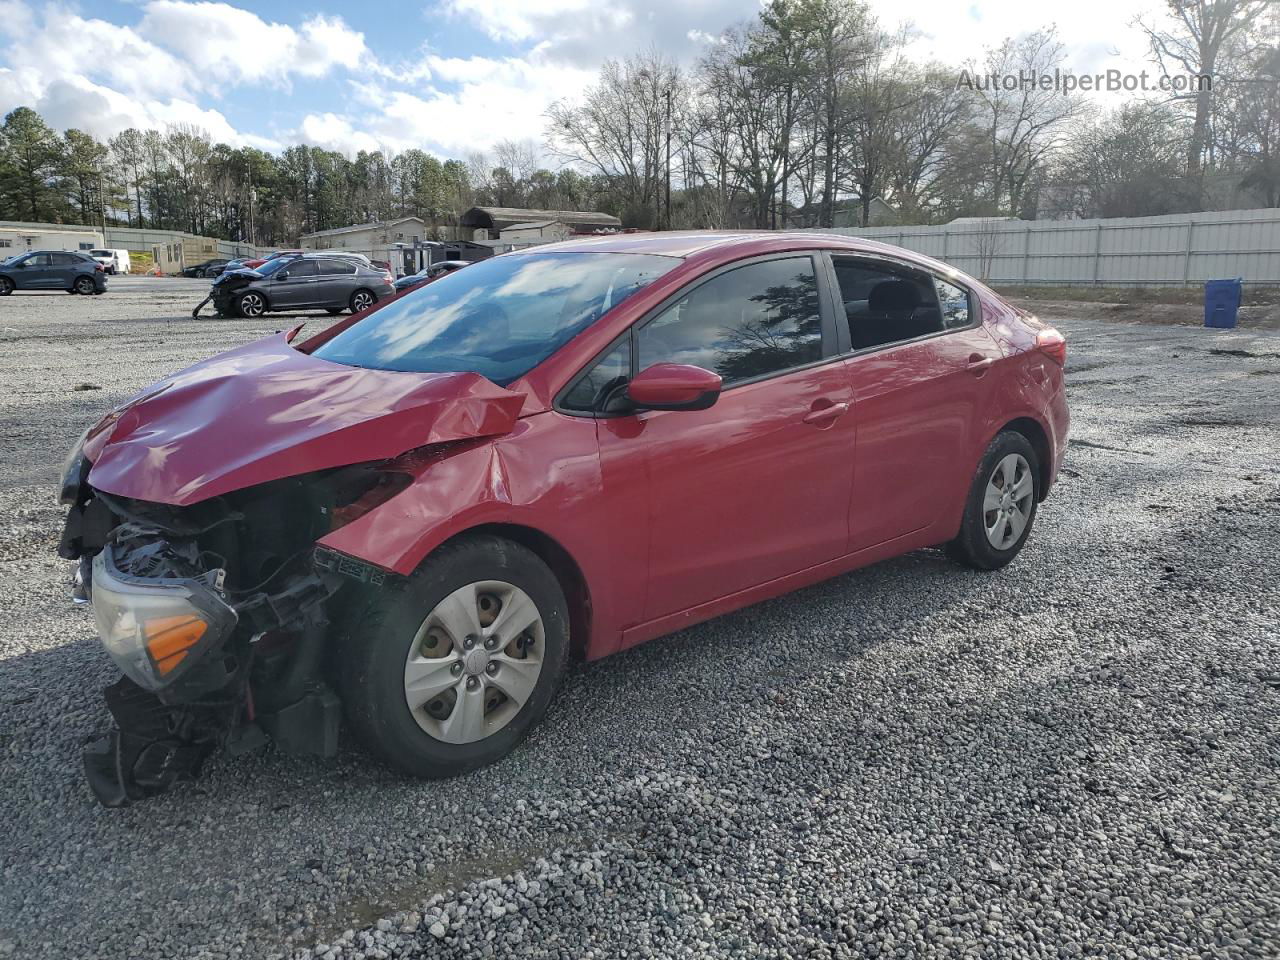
(65, 259)
(337, 267)
(749, 322)
(954, 303)
(885, 303)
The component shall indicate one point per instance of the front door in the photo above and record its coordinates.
(36, 272)
(295, 285)
(757, 486)
(919, 377)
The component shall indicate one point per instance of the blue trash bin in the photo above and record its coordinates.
(1222, 302)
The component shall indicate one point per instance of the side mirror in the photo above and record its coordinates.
(674, 386)
(282, 275)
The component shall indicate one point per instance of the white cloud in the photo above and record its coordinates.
(103, 77)
(226, 44)
(493, 99)
(332, 132)
(504, 20)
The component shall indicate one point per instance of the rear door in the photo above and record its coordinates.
(338, 280)
(757, 486)
(65, 267)
(918, 364)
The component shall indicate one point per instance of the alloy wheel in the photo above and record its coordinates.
(361, 300)
(84, 286)
(474, 662)
(1008, 501)
(252, 305)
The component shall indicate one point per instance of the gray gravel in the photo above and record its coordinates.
(1077, 756)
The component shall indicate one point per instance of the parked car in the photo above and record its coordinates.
(113, 261)
(411, 518)
(385, 267)
(429, 273)
(52, 270)
(254, 262)
(305, 282)
(210, 268)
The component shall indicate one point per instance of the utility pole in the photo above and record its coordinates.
(668, 203)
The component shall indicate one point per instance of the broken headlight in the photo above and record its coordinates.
(157, 628)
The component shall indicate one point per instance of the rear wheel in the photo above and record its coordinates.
(1001, 507)
(83, 286)
(452, 671)
(362, 300)
(251, 304)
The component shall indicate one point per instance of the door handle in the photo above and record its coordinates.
(978, 364)
(826, 414)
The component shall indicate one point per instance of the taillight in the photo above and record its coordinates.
(1053, 344)
(99, 268)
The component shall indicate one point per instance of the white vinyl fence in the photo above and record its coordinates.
(1179, 250)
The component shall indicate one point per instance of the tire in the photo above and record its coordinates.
(333, 311)
(6, 286)
(388, 635)
(251, 304)
(362, 300)
(84, 286)
(989, 537)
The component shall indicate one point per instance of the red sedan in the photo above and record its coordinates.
(413, 518)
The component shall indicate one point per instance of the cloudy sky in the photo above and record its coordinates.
(449, 76)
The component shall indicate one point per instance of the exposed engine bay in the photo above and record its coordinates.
(218, 614)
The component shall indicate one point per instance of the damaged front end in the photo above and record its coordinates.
(218, 615)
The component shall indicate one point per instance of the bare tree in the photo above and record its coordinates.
(619, 130)
(1200, 32)
(989, 242)
(1025, 122)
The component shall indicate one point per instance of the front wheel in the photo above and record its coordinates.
(83, 286)
(450, 671)
(362, 300)
(1001, 507)
(6, 286)
(251, 304)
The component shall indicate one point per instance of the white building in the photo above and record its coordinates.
(394, 241)
(18, 237)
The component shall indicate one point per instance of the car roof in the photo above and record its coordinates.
(686, 243)
(726, 245)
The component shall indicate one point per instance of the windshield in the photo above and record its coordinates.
(271, 266)
(499, 318)
(100, 253)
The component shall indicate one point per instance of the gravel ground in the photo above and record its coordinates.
(1076, 756)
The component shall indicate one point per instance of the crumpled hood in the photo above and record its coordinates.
(266, 411)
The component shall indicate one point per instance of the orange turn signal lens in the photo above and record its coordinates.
(169, 639)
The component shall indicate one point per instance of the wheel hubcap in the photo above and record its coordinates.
(474, 662)
(362, 301)
(1007, 501)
